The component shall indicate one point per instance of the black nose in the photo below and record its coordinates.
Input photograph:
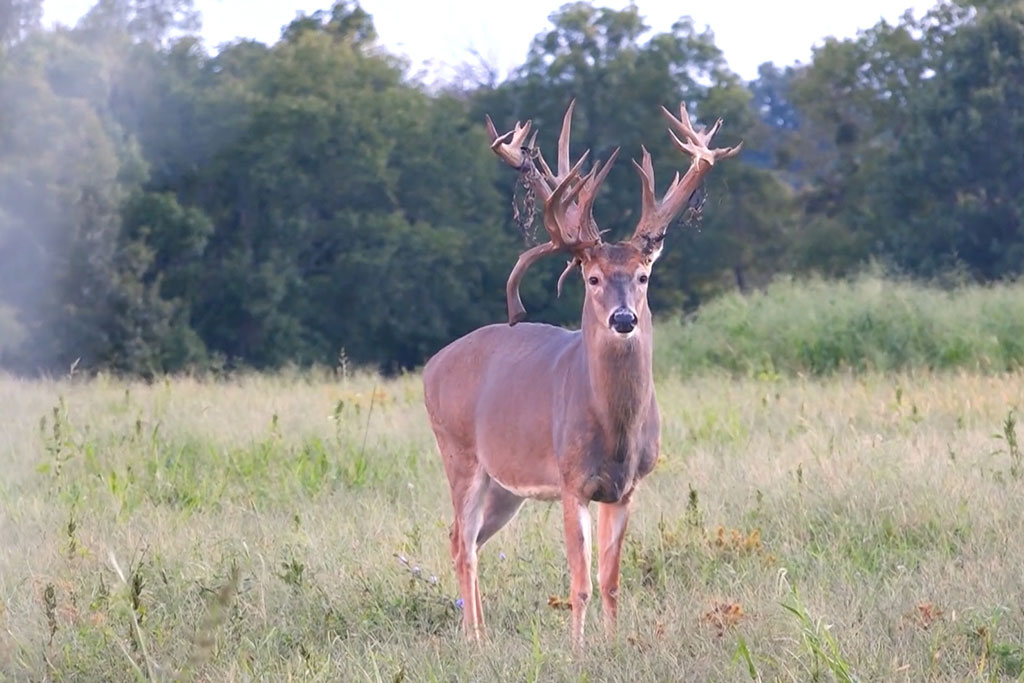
(623, 320)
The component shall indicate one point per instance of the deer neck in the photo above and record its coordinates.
(620, 374)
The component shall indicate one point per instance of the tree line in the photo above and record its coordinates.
(166, 207)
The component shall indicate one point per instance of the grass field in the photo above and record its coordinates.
(295, 526)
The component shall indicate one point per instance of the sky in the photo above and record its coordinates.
(439, 35)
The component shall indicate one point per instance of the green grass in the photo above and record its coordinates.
(865, 324)
(265, 527)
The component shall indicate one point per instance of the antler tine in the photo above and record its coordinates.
(572, 263)
(685, 126)
(588, 232)
(696, 143)
(555, 208)
(509, 148)
(563, 140)
(714, 129)
(550, 177)
(646, 173)
(492, 132)
(516, 310)
(510, 145)
(657, 215)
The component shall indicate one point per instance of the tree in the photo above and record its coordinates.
(143, 21)
(61, 177)
(349, 209)
(888, 115)
(953, 189)
(17, 18)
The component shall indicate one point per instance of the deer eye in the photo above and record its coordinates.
(593, 280)
(643, 278)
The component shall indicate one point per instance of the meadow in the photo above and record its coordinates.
(295, 526)
(800, 526)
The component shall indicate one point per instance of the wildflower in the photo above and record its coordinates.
(401, 558)
(416, 570)
(501, 556)
(433, 578)
(459, 603)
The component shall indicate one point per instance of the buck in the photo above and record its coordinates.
(536, 411)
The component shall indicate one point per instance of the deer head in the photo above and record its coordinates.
(615, 274)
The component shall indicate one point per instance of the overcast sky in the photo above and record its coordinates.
(442, 33)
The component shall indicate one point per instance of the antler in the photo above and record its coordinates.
(568, 200)
(656, 215)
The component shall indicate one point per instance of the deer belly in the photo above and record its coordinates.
(524, 474)
(537, 491)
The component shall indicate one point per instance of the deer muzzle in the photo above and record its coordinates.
(623, 320)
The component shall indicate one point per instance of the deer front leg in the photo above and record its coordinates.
(577, 551)
(611, 530)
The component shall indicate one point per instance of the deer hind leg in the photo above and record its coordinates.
(611, 530)
(577, 550)
(468, 501)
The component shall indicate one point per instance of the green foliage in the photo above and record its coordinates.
(866, 323)
(166, 208)
(914, 153)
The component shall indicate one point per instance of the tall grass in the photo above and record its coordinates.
(295, 527)
(868, 323)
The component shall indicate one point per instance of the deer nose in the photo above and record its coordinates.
(623, 320)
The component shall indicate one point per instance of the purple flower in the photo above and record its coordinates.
(501, 556)
(459, 603)
(416, 570)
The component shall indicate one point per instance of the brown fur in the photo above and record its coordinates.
(538, 411)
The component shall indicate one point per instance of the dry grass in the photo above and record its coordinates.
(853, 528)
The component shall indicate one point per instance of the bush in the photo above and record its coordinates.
(868, 323)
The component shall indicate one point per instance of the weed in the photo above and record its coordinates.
(818, 640)
(995, 656)
(216, 615)
(70, 530)
(743, 652)
(693, 514)
(50, 609)
(1012, 447)
(292, 572)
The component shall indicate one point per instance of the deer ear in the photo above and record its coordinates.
(655, 253)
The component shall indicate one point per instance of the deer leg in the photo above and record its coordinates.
(577, 551)
(611, 530)
(468, 501)
(498, 507)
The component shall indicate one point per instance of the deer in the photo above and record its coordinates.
(530, 410)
